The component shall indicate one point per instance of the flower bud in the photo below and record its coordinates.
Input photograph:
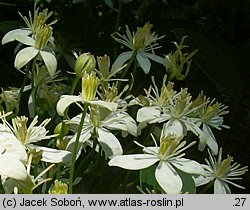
(59, 188)
(84, 62)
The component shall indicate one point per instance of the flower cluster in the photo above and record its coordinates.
(97, 126)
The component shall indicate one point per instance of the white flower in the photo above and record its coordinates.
(207, 117)
(221, 172)
(27, 136)
(90, 84)
(172, 108)
(37, 47)
(98, 125)
(33, 24)
(140, 42)
(169, 155)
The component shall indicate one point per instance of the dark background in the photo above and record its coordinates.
(219, 29)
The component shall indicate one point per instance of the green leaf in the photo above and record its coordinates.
(147, 178)
(188, 182)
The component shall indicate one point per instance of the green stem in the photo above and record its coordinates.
(129, 64)
(205, 189)
(117, 25)
(22, 88)
(62, 132)
(72, 166)
(72, 90)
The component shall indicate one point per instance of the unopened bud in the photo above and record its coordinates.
(85, 62)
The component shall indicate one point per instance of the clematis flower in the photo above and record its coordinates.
(140, 43)
(27, 136)
(38, 46)
(221, 173)
(33, 24)
(207, 117)
(90, 84)
(169, 155)
(172, 108)
(97, 124)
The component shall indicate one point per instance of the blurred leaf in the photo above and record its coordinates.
(147, 177)
(109, 3)
(213, 62)
(8, 25)
(188, 182)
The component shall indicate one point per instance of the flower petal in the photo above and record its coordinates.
(133, 162)
(221, 187)
(168, 178)
(210, 139)
(85, 135)
(109, 143)
(174, 127)
(65, 101)
(188, 166)
(146, 114)
(144, 62)
(23, 38)
(153, 57)
(120, 60)
(109, 105)
(11, 35)
(24, 56)
(12, 167)
(50, 62)
(11, 146)
(53, 155)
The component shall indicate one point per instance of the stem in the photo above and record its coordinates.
(129, 64)
(117, 25)
(72, 90)
(205, 189)
(72, 167)
(127, 67)
(22, 88)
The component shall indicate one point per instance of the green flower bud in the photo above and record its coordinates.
(84, 62)
(58, 129)
(59, 188)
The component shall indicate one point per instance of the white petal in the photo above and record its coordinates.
(53, 155)
(120, 60)
(155, 58)
(200, 180)
(133, 162)
(221, 187)
(174, 127)
(210, 139)
(11, 146)
(11, 35)
(188, 166)
(50, 62)
(146, 114)
(144, 62)
(12, 167)
(109, 143)
(24, 56)
(25, 39)
(109, 105)
(168, 178)
(121, 121)
(65, 101)
(85, 135)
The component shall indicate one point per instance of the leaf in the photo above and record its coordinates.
(188, 182)
(147, 178)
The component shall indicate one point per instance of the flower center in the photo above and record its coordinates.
(223, 167)
(210, 111)
(42, 37)
(168, 146)
(90, 84)
(20, 128)
(181, 105)
(140, 38)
